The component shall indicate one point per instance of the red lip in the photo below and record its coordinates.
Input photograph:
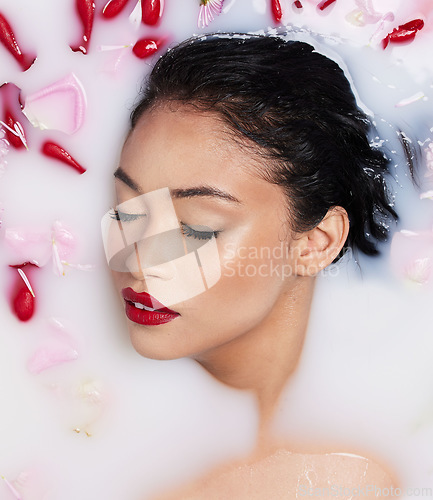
(158, 316)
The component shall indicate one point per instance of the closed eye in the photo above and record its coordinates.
(125, 217)
(198, 234)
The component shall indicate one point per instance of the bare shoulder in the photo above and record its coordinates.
(286, 475)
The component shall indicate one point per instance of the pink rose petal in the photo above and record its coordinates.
(410, 100)
(40, 246)
(427, 195)
(42, 107)
(31, 484)
(412, 256)
(49, 356)
(12, 489)
(378, 35)
(29, 245)
(365, 14)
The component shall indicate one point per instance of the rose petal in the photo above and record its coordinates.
(410, 100)
(57, 263)
(64, 239)
(29, 245)
(13, 490)
(427, 194)
(412, 256)
(11, 115)
(49, 356)
(377, 36)
(42, 107)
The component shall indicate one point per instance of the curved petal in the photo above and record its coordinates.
(49, 356)
(42, 107)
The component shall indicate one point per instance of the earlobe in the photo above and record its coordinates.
(317, 248)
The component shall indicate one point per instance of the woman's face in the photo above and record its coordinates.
(185, 159)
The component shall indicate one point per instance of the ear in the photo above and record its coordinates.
(316, 249)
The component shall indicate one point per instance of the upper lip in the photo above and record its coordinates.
(144, 298)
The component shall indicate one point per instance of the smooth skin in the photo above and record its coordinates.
(248, 329)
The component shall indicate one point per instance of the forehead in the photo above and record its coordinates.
(179, 147)
(183, 145)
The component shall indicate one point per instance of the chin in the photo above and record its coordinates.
(154, 345)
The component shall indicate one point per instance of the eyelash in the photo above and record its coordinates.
(187, 231)
(124, 217)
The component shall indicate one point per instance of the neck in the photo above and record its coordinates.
(262, 359)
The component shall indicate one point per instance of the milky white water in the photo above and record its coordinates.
(113, 425)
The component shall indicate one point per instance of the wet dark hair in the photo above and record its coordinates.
(298, 107)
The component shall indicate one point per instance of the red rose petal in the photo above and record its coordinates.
(53, 150)
(277, 12)
(7, 38)
(86, 12)
(113, 8)
(152, 11)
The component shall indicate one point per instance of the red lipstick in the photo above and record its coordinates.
(144, 309)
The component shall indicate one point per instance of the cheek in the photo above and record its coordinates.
(257, 259)
(118, 279)
(253, 278)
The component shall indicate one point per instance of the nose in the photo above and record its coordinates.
(146, 260)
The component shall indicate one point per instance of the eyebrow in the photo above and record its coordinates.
(203, 191)
(124, 177)
(192, 192)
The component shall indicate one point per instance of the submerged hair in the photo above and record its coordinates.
(297, 108)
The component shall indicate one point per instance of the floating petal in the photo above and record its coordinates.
(325, 3)
(208, 10)
(412, 256)
(11, 99)
(152, 11)
(57, 263)
(53, 150)
(410, 100)
(377, 36)
(23, 296)
(86, 13)
(12, 489)
(113, 8)
(49, 356)
(29, 245)
(64, 239)
(427, 194)
(365, 14)
(67, 94)
(276, 10)
(7, 38)
(146, 47)
(404, 33)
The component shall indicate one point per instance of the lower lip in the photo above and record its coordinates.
(148, 318)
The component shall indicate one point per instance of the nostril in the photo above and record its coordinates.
(166, 271)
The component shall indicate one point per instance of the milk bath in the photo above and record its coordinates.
(107, 423)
